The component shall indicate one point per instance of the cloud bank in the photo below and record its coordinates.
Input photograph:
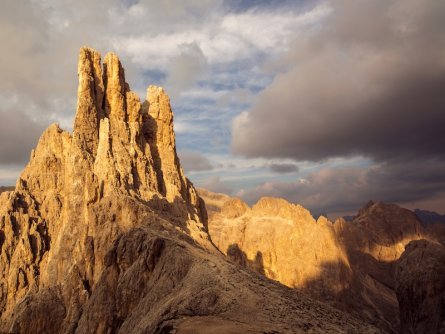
(346, 189)
(368, 83)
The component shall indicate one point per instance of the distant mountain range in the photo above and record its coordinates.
(5, 188)
(429, 217)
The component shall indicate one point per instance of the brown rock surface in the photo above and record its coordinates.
(420, 277)
(374, 240)
(104, 234)
(349, 264)
(283, 241)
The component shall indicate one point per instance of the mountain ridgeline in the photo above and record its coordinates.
(103, 233)
(384, 266)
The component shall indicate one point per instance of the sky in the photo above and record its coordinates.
(328, 104)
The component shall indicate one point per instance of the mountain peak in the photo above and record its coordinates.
(280, 207)
(90, 94)
(104, 233)
(130, 144)
(117, 169)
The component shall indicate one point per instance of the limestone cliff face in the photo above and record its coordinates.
(80, 190)
(350, 264)
(381, 230)
(282, 241)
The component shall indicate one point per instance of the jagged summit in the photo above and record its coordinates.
(282, 241)
(80, 191)
(279, 207)
(104, 234)
(350, 264)
(131, 144)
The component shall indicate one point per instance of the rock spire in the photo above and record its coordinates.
(81, 190)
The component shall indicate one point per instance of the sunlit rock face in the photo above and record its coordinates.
(284, 242)
(81, 190)
(104, 234)
(381, 230)
(349, 264)
(104, 171)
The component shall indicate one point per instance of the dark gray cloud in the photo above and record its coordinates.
(283, 168)
(347, 189)
(370, 83)
(18, 136)
(193, 161)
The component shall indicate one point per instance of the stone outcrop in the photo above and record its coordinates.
(374, 240)
(213, 201)
(420, 287)
(284, 242)
(80, 191)
(104, 234)
(350, 264)
(381, 230)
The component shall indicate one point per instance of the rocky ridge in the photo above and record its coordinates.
(277, 238)
(80, 191)
(375, 239)
(429, 217)
(350, 264)
(103, 233)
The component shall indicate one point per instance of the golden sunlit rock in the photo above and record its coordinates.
(103, 233)
(349, 264)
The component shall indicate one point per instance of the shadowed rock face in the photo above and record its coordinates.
(420, 277)
(433, 224)
(349, 264)
(104, 234)
(374, 240)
